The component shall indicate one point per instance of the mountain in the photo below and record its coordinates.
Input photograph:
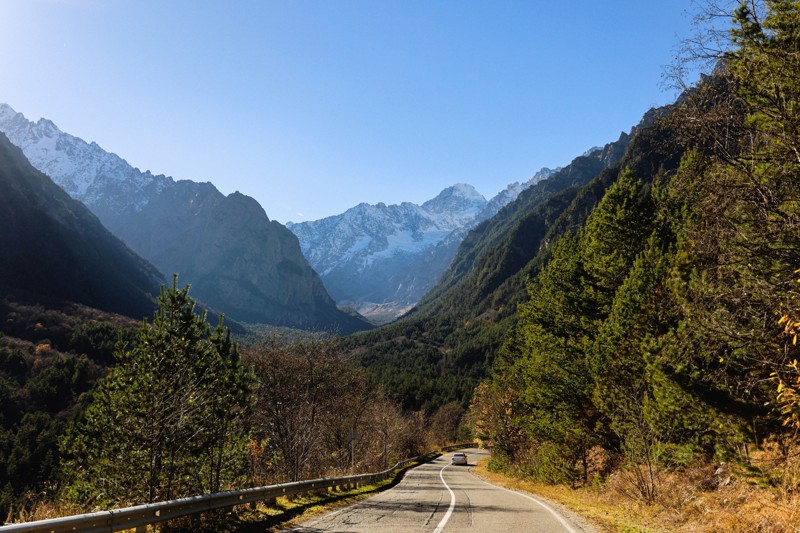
(382, 259)
(438, 351)
(58, 251)
(237, 260)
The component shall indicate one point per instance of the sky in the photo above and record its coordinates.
(312, 107)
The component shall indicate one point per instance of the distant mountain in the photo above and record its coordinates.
(236, 259)
(438, 351)
(382, 259)
(56, 250)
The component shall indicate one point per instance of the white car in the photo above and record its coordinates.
(459, 458)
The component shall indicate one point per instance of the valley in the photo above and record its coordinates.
(619, 332)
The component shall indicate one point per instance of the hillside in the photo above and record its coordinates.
(448, 342)
(61, 251)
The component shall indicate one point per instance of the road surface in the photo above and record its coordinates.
(438, 497)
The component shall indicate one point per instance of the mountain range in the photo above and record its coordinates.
(60, 252)
(381, 259)
(237, 260)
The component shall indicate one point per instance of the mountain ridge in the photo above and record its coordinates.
(61, 250)
(256, 275)
(381, 259)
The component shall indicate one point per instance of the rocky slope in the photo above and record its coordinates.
(236, 259)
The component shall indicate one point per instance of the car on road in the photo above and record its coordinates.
(459, 458)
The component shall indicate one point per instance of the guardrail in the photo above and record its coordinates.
(140, 516)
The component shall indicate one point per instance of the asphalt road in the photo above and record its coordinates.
(438, 497)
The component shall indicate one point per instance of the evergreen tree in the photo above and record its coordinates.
(167, 421)
(542, 370)
(614, 234)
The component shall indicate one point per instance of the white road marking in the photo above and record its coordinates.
(552, 511)
(449, 512)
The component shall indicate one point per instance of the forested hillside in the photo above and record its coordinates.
(447, 344)
(97, 414)
(664, 329)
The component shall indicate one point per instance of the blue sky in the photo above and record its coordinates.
(312, 107)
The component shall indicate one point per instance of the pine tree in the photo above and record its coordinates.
(167, 421)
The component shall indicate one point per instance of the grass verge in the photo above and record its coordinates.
(703, 498)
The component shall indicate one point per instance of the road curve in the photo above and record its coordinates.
(438, 498)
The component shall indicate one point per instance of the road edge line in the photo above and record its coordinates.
(552, 511)
(449, 513)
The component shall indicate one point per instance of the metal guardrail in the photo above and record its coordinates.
(140, 516)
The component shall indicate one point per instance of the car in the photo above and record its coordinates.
(459, 458)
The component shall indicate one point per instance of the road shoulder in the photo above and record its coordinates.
(578, 522)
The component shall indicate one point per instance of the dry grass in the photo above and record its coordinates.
(33, 510)
(705, 498)
(605, 512)
(279, 515)
(275, 516)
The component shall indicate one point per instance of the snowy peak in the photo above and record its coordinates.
(367, 232)
(86, 171)
(541, 175)
(460, 198)
(510, 193)
(387, 256)
(7, 113)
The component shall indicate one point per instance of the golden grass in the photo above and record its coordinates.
(604, 513)
(704, 499)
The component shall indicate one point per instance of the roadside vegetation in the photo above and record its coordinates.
(175, 408)
(655, 360)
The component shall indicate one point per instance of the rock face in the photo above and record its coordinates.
(382, 259)
(236, 259)
(58, 251)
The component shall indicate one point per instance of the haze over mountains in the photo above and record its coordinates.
(237, 260)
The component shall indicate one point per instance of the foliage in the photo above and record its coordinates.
(315, 414)
(652, 331)
(39, 389)
(789, 378)
(167, 421)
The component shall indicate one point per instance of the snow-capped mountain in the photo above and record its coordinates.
(236, 259)
(85, 171)
(510, 193)
(368, 233)
(381, 259)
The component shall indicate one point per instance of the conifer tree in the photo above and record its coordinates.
(167, 421)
